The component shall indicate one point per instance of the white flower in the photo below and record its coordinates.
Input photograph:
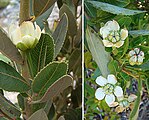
(25, 36)
(108, 89)
(125, 103)
(112, 35)
(136, 57)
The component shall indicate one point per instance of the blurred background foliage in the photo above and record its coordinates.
(138, 26)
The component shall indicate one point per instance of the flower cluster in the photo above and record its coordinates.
(25, 36)
(108, 90)
(136, 56)
(112, 35)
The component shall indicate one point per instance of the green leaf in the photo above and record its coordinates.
(41, 55)
(40, 20)
(8, 48)
(38, 115)
(21, 102)
(72, 25)
(11, 80)
(4, 58)
(139, 32)
(98, 52)
(124, 20)
(56, 88)
(135, 111)
(89, 90)
(47, 76)
(125, 47)
(114, 9)
(60, 34)
(120, 3)
(41, 6)
(8, 108)
(113, 67)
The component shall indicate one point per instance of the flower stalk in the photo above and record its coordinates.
(24, 10)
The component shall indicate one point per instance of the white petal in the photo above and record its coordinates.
(99, 94)
(118, 91)
(133, 60)
(132, 97)
(27, 28)
(15, 35)
(131, 53)
(104, 31)
(107, 43)
(112, 79)
(28, 41)
(119, 44)
(113, 25)
(137, 50)
(140, 59)
(110, 99)
(101, 81)
(37, 33)
(141, 53)
(124, 34)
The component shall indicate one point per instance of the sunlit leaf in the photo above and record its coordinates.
(114, 9)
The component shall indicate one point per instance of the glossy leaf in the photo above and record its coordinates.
(8, 48)
(114, 9)
(11, 80)
(98, 51)
(59, 34)
(47, 76)
(38, 115)
(72, 25)
(8, 108)
(41, 55)
(56, 88)
(41, 6)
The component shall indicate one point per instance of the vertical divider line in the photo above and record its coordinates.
(82, 59)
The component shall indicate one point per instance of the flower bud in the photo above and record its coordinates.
(25, 36)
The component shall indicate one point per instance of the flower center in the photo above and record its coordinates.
(124, 103)
(108, 88)
(114, 36)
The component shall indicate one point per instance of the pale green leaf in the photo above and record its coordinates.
(41, 6)
(38, 115)
(114, 9)
(72, 24)
(60, 34)
(97, 50)
(139, 32)
(56, 88)
(8, 49)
